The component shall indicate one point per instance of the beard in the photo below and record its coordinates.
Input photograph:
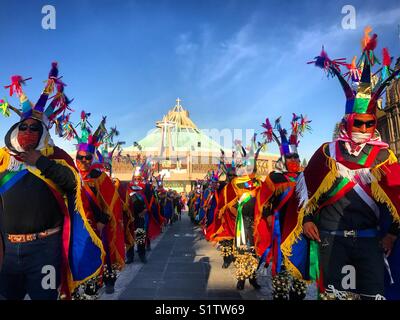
(360, 138)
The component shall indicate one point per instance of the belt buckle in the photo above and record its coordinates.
(349, 233)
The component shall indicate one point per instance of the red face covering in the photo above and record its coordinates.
(292, 165)
(28, 140)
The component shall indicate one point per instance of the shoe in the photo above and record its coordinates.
(143, 259)
(240, 284)
(227, 262)
(253, 282)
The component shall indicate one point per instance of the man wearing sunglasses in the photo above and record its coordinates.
(32, 227)
(101, 191)
(283, 178)
(349, 198)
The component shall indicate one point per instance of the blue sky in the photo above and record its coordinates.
(233, 63)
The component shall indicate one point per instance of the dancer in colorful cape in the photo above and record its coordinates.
(218, 220)
(106, 157)
(142, 183)
(194, 202)
(140, 208)
(156, 220)
(251, 231)
(104, 200)
(169, 207)
(349, 193)
(48, 228)
(179, 204)
(201, 213)
(284, 179)
(210, 203)
(241, 212)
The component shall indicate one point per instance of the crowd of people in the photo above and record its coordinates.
(334, 224)
(68, 227)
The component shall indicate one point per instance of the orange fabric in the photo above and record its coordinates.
(225, 217)
(128, 218)
(262, 233)
(110, 202)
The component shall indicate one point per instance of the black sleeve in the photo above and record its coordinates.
(308, 218)
(60, 175)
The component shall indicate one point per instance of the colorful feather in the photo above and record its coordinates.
(324, 62)
(16, 85)
(268, 133)
(4, 107)
(386, 60)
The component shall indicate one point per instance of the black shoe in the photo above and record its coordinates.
(143, 259)
(253, 282)
(240, 284)
(227, 262)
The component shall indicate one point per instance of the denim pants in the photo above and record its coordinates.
(31, 268)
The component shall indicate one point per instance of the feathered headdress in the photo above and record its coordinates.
(47, 115)
(361, 93)
(299, 125)
(245, 161)
(108, 147)
(87, 141)
(212, 176)
(142, 166)
(224, 167)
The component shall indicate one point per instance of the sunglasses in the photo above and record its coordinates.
(87, 157)
(32, 127)
(292, 157)
(368, 124)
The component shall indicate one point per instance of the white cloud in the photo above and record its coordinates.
(383, 18)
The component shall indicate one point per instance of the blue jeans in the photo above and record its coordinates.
(30, 268)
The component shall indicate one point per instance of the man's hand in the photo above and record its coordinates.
(30, 157)
(311, 231)
(388, 243)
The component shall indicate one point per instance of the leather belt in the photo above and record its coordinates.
(21, 238)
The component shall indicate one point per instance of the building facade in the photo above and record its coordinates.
(389, 116)
(180, 152)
